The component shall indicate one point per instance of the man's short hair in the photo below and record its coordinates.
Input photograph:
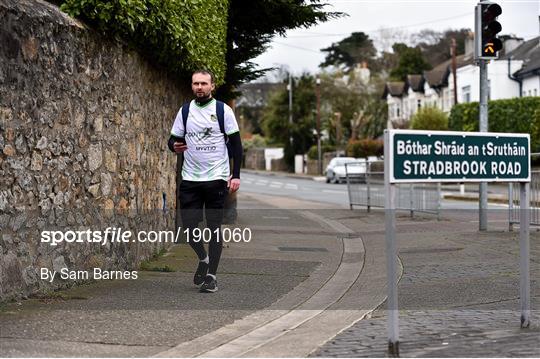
(205, 72)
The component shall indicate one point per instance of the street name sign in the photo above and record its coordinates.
(442, 156)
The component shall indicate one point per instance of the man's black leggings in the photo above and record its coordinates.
(193, 197)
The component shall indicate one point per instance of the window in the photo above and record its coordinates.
(397, 111)
(419, 104)
(446, 99)
(466, 94)
(535, 93)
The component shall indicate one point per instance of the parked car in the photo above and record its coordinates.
(356, 169)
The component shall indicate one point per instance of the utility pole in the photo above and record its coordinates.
(289, 87)
(338, 131)
(319, 150)
(454, 68)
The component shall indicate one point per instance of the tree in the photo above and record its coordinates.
(276, 118)
(436, 45)
(362, 113)
(411, 61)
(352, 50)
(251, 28)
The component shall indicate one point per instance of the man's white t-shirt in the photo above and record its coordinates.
(206, 157)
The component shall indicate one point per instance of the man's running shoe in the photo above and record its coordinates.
(200, 273)
(209, 285)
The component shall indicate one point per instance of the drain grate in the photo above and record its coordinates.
(302, 249)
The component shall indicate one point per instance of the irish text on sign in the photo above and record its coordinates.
(458, 156)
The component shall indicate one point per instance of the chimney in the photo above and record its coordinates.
(510, 42)
(469, 44)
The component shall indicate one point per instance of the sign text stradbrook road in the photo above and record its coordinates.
(439, 156)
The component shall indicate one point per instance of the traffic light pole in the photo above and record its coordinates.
(484, 89)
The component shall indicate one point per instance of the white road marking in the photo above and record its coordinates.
(333, 191)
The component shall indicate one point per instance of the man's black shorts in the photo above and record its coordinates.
(194, 196)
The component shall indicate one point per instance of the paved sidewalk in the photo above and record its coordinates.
(458, 296)
(163, 308)
(310, 272)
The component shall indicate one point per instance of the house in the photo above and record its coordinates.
(528, 76)
(516, 73)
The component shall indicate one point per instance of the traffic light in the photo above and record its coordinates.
(487, 27)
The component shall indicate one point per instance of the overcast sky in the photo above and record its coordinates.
(299, 49)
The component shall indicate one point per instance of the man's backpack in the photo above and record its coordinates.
(220, 113)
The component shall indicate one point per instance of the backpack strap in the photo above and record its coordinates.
(185, 114)
(220, 113)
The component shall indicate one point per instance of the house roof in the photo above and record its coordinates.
(524, 51)
(393, 89)
(529, 53)
(438, 76)
(415, 82)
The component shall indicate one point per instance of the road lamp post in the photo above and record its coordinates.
(290, 89)
(319, 150)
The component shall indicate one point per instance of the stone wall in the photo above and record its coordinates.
(83, 129)
(313, 165)
(254, 159)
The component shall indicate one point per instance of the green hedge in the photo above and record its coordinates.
(313, 152)
(364, 148)
(179, 35)
(519, 115)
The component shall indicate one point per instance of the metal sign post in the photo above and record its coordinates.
(442, 156)
(391, 252)
(483, 114)
(524, 248)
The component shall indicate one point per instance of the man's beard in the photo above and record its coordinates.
(202, 94)
(202, 97)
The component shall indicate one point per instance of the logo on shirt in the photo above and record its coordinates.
(206, 133)
(201, 135)
(206, 148)
(213, 117)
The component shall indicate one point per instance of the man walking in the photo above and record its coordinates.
(201, 131)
